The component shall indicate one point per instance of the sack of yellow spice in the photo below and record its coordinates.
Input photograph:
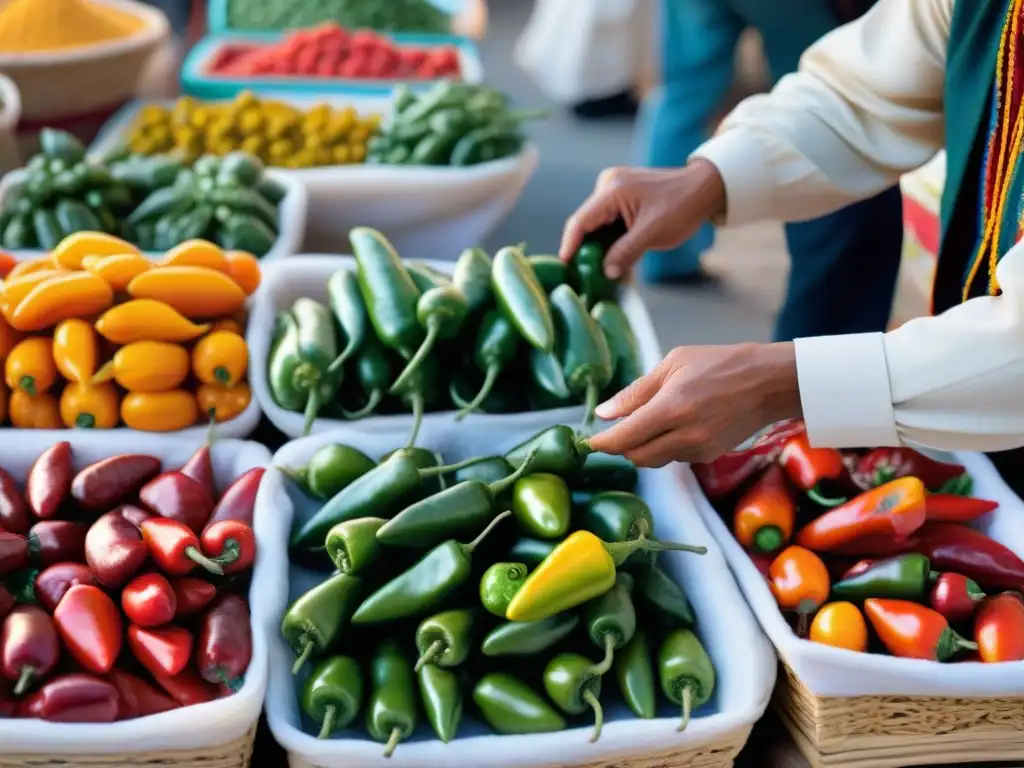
(49, 26)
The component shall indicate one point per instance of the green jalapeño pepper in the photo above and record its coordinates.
(549, 378)
(373, 373)
(445, 638)
(497, 343)
(686, 673)
(297, 371)
(346, 302)
(542, 505)
(426, 459)
(619, 516)
(574, 683)
(426, 584)
(611, 618)
(473, 277)
(559, 451)
(442, 312)
(352, 545)
(906, 577)
(391, 715)
(586, 359)
(604, 472)
(626, 364)
(442, 700)
(634, 672)
(425, 277)
(333, 694)
(331, 469)
(499, 585)
(316, 619)
(522, 299)
(531, 551)
(551, 271)
(527, 638)
(586, 274)
(511, 707)
(487, 469)
(664, 598)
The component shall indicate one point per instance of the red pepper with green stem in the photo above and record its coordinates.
(90, 626)
(238, 502)
(766, 514)
(912, 631)
(175, 496)
(809, 468)
(175, 548)
(729, 471)
(49, 480)
(224, 649)
(29, 648)
(231, 544)
(881, 465)
(161, 650)
(999, 628)
(954, 596)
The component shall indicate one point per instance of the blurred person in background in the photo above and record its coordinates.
(843, 266)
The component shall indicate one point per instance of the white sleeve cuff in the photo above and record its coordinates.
(742, 164)
(844, 390)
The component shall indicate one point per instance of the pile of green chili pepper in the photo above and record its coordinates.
(524, 588)
(505, 335)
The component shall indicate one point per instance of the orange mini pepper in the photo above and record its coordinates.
(220, 358)
(28, 267)
(17, 288)
(78, 294)
(72, 249)
(30, 366)
(895, 509)
(999, 628)
(799, 581)
(118, 270)
(89, 406)
(809, 467)
(765, 515)
(196, 253)
(193, 291)
(912, 631)
(76, 349)
(34, 411)
(159, 411)
(146, 320)
(222, 404)
(244, 269)
(840, 625)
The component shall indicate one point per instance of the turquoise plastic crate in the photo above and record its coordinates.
(194, 81)
(217, 14)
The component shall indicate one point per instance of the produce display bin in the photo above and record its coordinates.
(847, 710)
(217, 13)
(196, 80)
(743, 658)
(181, 738)
(307, 276)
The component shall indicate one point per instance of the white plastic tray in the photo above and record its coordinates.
(743, 658)
(829, 671)
(307, 276)
(205, 725)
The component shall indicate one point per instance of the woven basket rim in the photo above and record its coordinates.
(155, 28)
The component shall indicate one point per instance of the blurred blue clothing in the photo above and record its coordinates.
(177, 12)
(851, 253)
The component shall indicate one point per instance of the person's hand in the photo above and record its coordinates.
(661, 209)
(701, 402)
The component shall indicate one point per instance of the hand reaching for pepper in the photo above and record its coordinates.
(701, 402)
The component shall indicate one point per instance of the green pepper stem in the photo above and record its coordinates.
(297, 476)
(345, 354)
(371, 405)
(468, 548)
(602, 667)
(312, 407)
(229, 553)
(418, 406)
(433, 334)
(430, 656)
(687, 706)
(300, 662)
(200, 559)
(498, 487)
(396, 736)
(490, 379)
(591, 699)
(593, 393)
(583, 447)
(815, 495)
(327, 727)
(28, 674)
(447, 468)
(620, 550)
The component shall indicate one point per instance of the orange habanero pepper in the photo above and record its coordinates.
(222, 404)
(895, 509)
(809, 467)
(34, 411)
(78, 294)
(799, 581)
(766, 514)
(912, 631)
(30, 367)
(999, 628)
(220, 358)
(244, 269)
(76, 349)
(193, 291)
(840, 625)
(196, 253)
(89, 406)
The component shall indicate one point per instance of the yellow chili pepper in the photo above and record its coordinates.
(220, 358)
(146, 366)
(222, 404)
(16, 290)
(23, 268)
(193, 291)
(78, 294)
(34, 411)
(76, 349)
(159, 411)
(146, 319)
(228, 324)
(117, 270)
(88, 406)
(196, 253)
(30, 367)
(8, 338)
(72, 249)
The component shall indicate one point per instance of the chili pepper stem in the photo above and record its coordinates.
(602, 667)
(430, 656)
(687, 705)
(802, 622)
(233, 683)
(229, 554)
(433, 333)
(490, 379)
(371, 405)
(28, 674)
(199, 558)
(418, 406)
(591, 699)
(815, 495)
(583, 447)
(85, 421)
(396, 736)
(500, 486)
(468, 548)
(300, 662)
(330, 711)
(620, 550)
(28, 384)
(933, 576)
(768, 539)
(312, 406)
(593, 393)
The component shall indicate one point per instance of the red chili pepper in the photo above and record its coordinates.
(948, 508)
(107, 483)
(231, 544)
(6, 601)
(809, 467)
(912, 631)
(30, 648)
(175, 548)
(955, 596)
(74, 698)
(52, 584)
(999, 628)
(766, 514)
(133, 514)
(959, 549)
(13, 510)
(187, 687)
(57, 541)
(178, 497)
(49, 480)
(90, 626)
(239, 500)
(137, 698)
(225, 642)
(200, 469)
(729, 471)
(161, 650)
(192, 595)
(149, 601)
(881, 465)
(114, 549)
(13, 552)
(895, 509)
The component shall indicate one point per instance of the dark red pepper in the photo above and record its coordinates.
(959, 549)
(57, 541)
(729, 471)
(49, 480)
(949, 508)
(239, 500)
(149, 601)
(137, 698)
(231, 544)
(52, 584)
(809, 467)
(6, 601)
(29, 648)
(90, 626)
(187, 687)
(74, 698)
(114, 549)
(881, 465)
(192, 595)
(955, 596)
(13, 510)
(175, 548)
(13, 552)
(225, 642)
(107, 483)
(200, 468)
(178, 497)
(161, 650)
(133, 514)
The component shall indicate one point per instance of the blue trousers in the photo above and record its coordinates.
(844, 265)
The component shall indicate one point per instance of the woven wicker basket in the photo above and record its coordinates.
(86, 80)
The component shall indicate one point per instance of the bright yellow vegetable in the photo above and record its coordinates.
(193, 291)
(16, 289)
(146, 366)
(159, 411)
(146, 319)
(8, 338)
(72, 249)
(117, 270)
(244, 269)
(220, 358)
(30, 367)
(33, 26)
(196, 253)
(88, 406)
(78, 294)
(23, 268)
(222, 404)
(76, 349)
(34, 411)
